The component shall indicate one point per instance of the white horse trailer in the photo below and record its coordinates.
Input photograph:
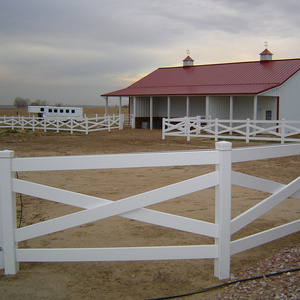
(53, 113)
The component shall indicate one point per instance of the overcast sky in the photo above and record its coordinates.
(72, 51)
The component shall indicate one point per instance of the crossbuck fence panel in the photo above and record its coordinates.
(86, 125)
(249, 130)
(135, 207)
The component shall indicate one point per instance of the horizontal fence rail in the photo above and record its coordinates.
(135, 207)
(85, 125)
(249, 130)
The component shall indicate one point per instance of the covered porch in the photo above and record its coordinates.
(148, 111)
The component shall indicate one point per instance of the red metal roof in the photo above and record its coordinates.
(218, 79)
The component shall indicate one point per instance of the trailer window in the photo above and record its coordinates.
(42, 109)
(61, 110)
(50, 110)
(55, 110)
(73, 111)
(67, 111)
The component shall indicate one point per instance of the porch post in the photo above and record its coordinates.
(255, 108)
(187, 106)
(169, 107)
(120, 105)
(134, 113)
(207, 107)
(231, 108)
(223, 210)
(106, 106)
(151, 113)
(230, 112)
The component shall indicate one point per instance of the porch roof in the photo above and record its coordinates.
(216, 79)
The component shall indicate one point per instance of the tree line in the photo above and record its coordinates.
(20, 102)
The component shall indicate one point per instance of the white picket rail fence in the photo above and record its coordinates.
(134, 207)
(249, 130)
(86, 125)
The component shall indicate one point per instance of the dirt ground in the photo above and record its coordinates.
(135, 280)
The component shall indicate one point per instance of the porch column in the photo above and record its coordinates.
(169, 107)
(255, 108)
(207, 107)
(230, 112)
(187, 106)
(134, 113)
(231, 108)
(120, 105)
(106, 106)
(151, 113)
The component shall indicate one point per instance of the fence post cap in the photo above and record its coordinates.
(223, 145)
(7, 153)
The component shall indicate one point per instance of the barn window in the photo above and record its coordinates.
(73, 111)
(67, 111)
(42, 109)
(61, 110)
(50, 110)
(55, 110)
(268, 115)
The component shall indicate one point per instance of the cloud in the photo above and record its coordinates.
(75, 49)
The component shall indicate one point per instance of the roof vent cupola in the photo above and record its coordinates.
(188, 61)
(266, 55)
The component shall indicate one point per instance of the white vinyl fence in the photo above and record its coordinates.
(249, 130)
(135, 207)
(86, 125)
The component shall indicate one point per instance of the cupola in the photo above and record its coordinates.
(188, 61)
(266, 55)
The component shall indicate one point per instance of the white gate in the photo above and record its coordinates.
(134, 207)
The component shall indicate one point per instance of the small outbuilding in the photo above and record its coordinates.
(266, 89)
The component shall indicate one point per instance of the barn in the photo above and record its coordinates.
(266, 89)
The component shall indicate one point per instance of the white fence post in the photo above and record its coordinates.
(163, 128)
(282, 131)
(247, 130)
(223, 210)
(187, 128)
(216, 129)
(198, 125)
(33, 123)
(108, 122)
(86, 125)
(7, 214)
(121, 121)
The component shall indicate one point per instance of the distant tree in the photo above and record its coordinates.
(39, 102)
(20, 102)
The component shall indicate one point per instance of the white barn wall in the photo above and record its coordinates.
(197, 106)
(243, 107)
(160, 107)
(289, 98)
(266, 103)
(178, 107)
(219, 107)
(142, 106)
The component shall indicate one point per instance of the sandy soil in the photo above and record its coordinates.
(134, 280)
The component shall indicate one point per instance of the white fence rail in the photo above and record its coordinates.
(134, 207)
(273, 130)
(86, 125)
